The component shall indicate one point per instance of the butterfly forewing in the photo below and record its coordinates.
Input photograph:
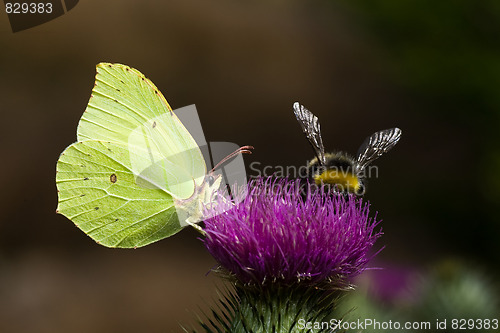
(127, 108)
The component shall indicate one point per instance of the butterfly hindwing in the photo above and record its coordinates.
(99, 192)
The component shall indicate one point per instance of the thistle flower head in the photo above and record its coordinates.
(282, 232)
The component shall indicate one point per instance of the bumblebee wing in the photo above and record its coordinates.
(376, 145)
(311, 128)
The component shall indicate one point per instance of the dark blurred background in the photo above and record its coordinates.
(430, 68)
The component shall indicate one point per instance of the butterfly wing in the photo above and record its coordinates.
(376, 145)
(125, 107)
(311, 128)
(133, 165)
(99, 192)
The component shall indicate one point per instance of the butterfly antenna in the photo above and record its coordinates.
(241, 150)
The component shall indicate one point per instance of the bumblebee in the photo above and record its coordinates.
(345, 173)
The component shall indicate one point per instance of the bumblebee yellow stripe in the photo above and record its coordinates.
(346, 180)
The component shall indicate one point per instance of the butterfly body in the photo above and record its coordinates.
(193, 208)
(345, 173)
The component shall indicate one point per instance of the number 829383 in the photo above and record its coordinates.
(28, 8)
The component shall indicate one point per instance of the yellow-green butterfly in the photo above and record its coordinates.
(136, 175)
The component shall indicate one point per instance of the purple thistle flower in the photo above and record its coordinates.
(278, 234)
